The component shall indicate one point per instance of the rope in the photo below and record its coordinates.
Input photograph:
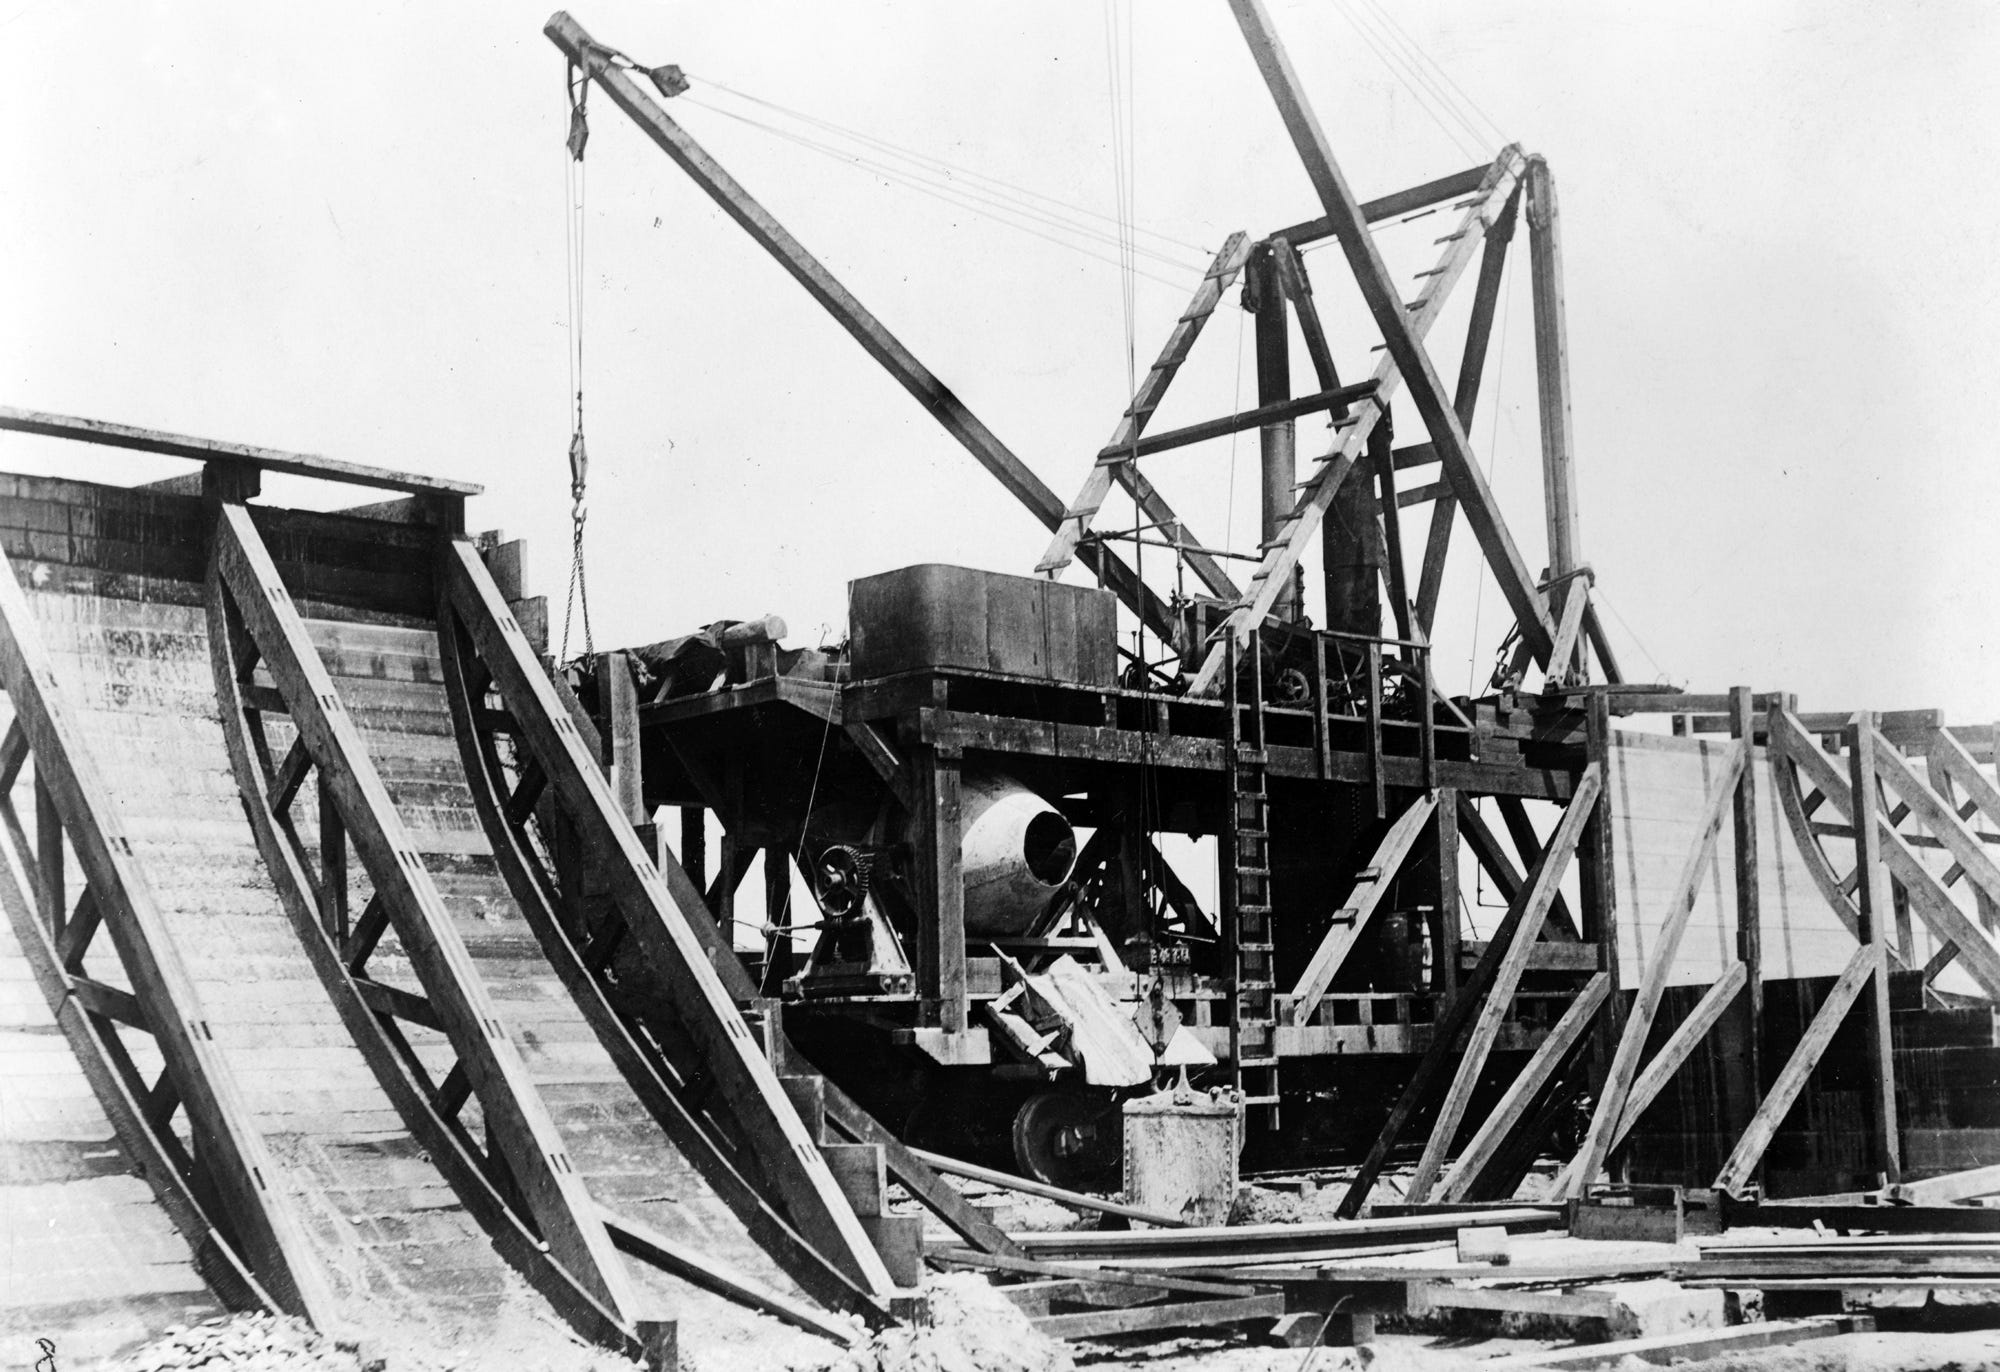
(1388, 19)
(1598, 597)
(938, 166)
(1012, 214)
(1413, 81)
(576, 92)
(1118, 86)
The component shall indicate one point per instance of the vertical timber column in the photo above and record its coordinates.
(940, 883)
(1277, 443)
(1874, 905)
(1351, 546)
(1552, 383)
(1448, 933)
(1742, 1029)
(618, 703)
(725, 885)
(1597, 887)
(778, 917)
(694, 845)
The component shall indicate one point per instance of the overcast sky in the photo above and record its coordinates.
(342, 230)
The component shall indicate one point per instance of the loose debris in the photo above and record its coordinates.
(973, 1328)
(252, 1340)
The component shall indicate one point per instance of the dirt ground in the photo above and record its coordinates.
(975, 1329)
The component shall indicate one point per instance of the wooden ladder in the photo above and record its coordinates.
(1253, 999)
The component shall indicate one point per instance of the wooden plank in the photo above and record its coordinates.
(1079, 513)
(1688, 1346)
(236, 1163)
(1958, 838)
(1075, 1200)
(1576, 597)
(1229, 1243)
(1152, 1281)
(1278, 411)
(1350, 923)
(1453, 187)
(1425, 1297)
(1607, 661)
(1552, 378)
(699, 1266)
(1950, 1188)
(1973, 945)
(1528, 845)
(1488, 851)
(109, 1002)
(517, 1119)
(394, 1000)
(1949, 755)
(1392, 534)
(1179, 1315)
(1624, 1066)
(878, 754)
(1784, 1092)
(1465, 400)
(1506, 980)
(1947, 763)
(695, 969)
(1506, 1116)
(622, 761)
(1646, 701)
(235, 454)
(847, 311)
(1660, 1068)
(1403, 325)
(1875, 908)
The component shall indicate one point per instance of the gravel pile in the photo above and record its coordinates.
(248, 1341)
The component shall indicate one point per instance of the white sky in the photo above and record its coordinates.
(342, 230)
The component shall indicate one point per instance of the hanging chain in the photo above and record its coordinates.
(576, 84)
(576, 91)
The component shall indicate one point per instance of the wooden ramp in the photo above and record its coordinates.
(311, 775)
(306, 1191)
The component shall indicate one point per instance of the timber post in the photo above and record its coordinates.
(1743, 1027)
(939, 879)
(1597, 890)
(1874, 904)
(1277, 441)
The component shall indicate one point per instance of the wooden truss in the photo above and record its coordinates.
(1491, 196)
(1888, 812)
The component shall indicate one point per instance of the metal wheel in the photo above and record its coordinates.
(1069, 1139)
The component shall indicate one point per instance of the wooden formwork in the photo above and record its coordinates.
(399, 1080)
